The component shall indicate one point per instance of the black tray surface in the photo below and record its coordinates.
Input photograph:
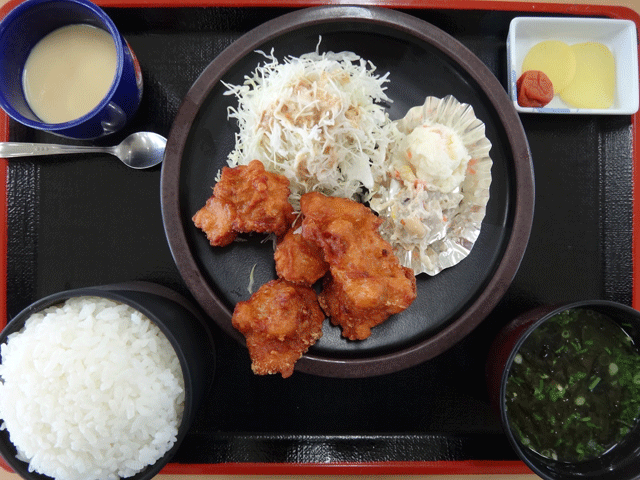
(82, 221)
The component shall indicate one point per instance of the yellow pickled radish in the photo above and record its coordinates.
(594, 82)
(556, 59)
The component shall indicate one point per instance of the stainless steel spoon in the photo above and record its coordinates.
(138, 150)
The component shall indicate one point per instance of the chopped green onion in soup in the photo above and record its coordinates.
(572, 394)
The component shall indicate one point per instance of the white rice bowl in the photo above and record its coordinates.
(90, 389)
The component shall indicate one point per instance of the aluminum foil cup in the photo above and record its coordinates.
(430, 224)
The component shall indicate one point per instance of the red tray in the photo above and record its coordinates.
(466, 467)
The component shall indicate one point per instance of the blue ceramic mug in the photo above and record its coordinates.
(25, 26)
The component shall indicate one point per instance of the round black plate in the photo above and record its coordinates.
(422, 61)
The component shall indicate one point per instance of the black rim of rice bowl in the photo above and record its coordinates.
(190, 337)
(621, 462)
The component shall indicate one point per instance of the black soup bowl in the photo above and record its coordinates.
(187, 332)
(565, 381)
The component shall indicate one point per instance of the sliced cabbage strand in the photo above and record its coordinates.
(317, 119)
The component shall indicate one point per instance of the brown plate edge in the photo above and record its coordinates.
(523, 181)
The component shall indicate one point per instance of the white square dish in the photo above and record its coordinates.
(619, 36)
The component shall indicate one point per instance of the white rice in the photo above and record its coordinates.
(89, 390)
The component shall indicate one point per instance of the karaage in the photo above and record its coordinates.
(280, 322)
(298, 260)
(367, 284)
(246, 199)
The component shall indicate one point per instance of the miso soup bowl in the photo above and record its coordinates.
(622, 462)
(177, 319)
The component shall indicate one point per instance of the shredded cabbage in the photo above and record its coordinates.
(251, 279)
(317, 119)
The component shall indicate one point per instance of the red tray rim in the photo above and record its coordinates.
(445, 467)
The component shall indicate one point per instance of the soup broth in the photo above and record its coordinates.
(69, 72)
(573, 391)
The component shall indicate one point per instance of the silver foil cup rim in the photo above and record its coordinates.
(452, 234)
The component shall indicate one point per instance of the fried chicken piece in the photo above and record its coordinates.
(246, 199)
(280, 322)
(216, 220)
(359, 304)
(298, 260)
(367, 283)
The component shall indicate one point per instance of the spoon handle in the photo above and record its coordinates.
(19, 149)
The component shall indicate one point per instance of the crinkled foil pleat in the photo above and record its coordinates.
(451, 234)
